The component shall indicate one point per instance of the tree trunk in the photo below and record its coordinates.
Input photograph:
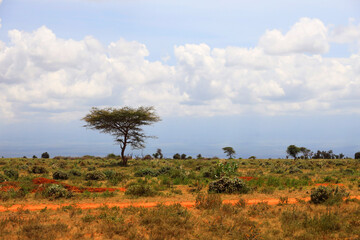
(124, 159)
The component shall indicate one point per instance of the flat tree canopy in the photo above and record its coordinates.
(125, 124)
(293, 151)
(229, 151)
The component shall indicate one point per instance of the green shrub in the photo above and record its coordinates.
(45, 155)
(114, 177)
(337, 196)
(91, 168)
(164, 170)
(12, 194)
(147, 157)
(62, 164)
(349, 171)
(112, 156)
(109, 173)
(357, 155)
(320, 194)
(11, 173)
(26, 184)
(38, 170)
(146, 172)
(273, 181)
(140, 190)
(277, 170)
(209, 173)
(55, 191)
(328, 179)
(227, 185)
(60, 175)
(23, 167)
(75, 172)
(88, 218)
(327, 195)
(180, 176)
(95, 175)
(221, 170)
(293, 170)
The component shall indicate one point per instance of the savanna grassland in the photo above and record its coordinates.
(323, 190)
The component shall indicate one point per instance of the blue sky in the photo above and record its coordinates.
(255, 75)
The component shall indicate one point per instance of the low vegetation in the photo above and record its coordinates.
(322, 187)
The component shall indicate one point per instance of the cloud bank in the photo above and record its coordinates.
(0, 18)
(44, 76)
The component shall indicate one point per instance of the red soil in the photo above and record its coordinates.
(6, 186)
(39, 181)
(248, 178)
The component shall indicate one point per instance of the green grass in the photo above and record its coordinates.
(166, 174)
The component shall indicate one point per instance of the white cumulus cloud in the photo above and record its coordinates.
(347, 34)
(42, 75)
(305, 36)
(0, 18)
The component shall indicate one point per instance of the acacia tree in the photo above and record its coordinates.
(229, 151)
(293, 151)
(158, 154)
(124, 124)
(305, 152)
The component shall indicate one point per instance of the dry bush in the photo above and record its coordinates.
(208, 201)
(35, 230)
(167, 222)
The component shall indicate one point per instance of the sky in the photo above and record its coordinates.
(254, 75)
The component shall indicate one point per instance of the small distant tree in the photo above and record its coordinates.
(229, 151)
(357, 155)
(199, 156)
(34, 156)
(293, 151)
(325, 155)
(45, 155)
(183, 156)
(158, 154)
(147, 157)
(124, 124)
(112, 156)
(176, 156)
(305, 152)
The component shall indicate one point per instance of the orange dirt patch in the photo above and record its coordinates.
(187, 204)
